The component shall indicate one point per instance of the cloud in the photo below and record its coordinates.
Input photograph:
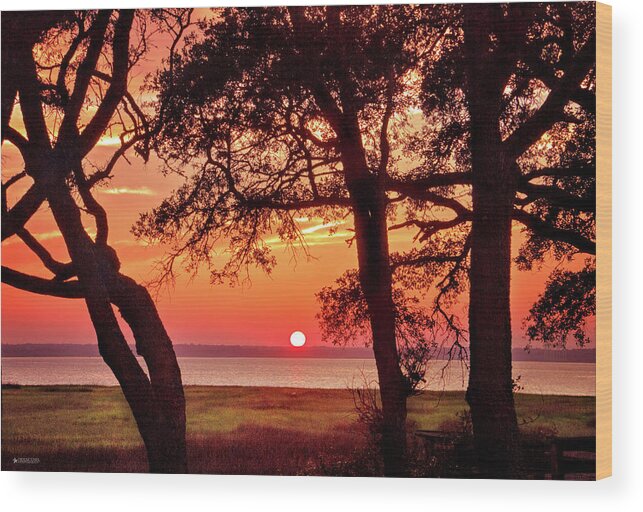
(138, 191)
(315, 240)
(314, 235)
(319, 227)
(109, 141)
(47, 236)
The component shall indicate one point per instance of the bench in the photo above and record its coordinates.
(572, 455)
(557, 456)
(435, 439)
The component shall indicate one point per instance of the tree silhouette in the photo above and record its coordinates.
(290, 111)
(311, 111)
(344, 318)
(55, 65)
(515, 90)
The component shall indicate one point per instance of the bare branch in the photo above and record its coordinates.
(581, 171)
(14, 179)
(95, 209)
(61, 87)
(429, 228)
(415, 186)
(556, 197)
(97, 31)
(118, 85)
(15, 218)
(62, 271)
(385, 146)
(13, 136)
(33, 284)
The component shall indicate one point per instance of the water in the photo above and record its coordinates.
(535, 377)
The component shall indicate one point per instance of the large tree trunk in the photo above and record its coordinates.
(368, 203)
(157, 403)
(155, 346)
(369, 211)
(490, 391)
(375, 280)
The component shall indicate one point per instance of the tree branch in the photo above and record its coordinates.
(323, 98)
(533, 128)
(30, 103)
(33, 284)
(423, 260)
(69, 126)
(15, 218)
(13, 136)
(410, 190)
(556, 197)
(62, 271)
(412, 187)
(95, 209)
(61, 87)
(118, 85)
(581, 171)
(545, 230)
(385, 146)
(429, 228)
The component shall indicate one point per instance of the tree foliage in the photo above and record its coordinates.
(562, 310)
(344, 319)
(543, 79)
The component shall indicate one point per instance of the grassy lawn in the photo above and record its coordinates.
(239, 430)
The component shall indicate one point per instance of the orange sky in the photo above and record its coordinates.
(264, 312)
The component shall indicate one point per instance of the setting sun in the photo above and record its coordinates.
(197, 199)
(297, 339)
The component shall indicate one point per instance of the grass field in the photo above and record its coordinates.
(234, 430)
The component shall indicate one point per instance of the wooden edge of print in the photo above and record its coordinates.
(604, 241)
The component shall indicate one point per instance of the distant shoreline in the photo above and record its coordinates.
(88, 388)
(253, 351)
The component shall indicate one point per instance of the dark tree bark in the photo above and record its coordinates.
(369, 212)
(157, 402)
(496, 39)
(490, 390)
(155, 346)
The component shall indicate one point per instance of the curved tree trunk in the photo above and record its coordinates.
(490, 390)
(368, 204)
(155, 346)
(375, 280)
(157, 403)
